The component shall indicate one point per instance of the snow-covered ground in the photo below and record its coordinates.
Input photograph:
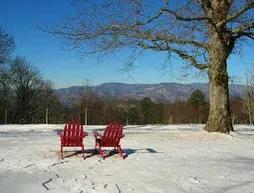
(161, 159)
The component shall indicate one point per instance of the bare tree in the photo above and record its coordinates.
(6, 47)
(201, 32)
(26, 85)
(248, 99)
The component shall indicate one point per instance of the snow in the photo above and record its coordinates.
(161, 159)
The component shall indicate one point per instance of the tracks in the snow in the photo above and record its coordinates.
(44, 184)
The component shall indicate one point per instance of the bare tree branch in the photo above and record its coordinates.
(243, 10)
(243, 28)
(181, 53)
(182, 18)
(245, 34)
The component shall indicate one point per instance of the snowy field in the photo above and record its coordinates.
(161, 159)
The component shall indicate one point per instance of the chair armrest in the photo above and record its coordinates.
(97, 135)
(85, 134)
(61, 134)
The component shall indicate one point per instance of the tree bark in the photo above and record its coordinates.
(220, 45)
(219, 119)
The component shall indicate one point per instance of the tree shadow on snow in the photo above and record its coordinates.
(145, 150)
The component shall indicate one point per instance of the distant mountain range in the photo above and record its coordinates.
(157, 92)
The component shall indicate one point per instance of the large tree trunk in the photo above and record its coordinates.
(219, 49)
(219, 119)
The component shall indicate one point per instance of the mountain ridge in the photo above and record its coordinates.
(158, 92)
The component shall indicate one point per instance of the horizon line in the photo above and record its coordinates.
(240, 84)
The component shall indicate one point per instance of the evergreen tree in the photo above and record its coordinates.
(197, 98)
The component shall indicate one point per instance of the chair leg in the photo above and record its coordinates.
(95, 147)
(101, 152)
(61, 151)
(120, 151)
(83, 152)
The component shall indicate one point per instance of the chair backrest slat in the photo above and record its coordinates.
(73, 133)
(113, 133)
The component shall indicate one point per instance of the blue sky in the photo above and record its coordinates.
(65, 68)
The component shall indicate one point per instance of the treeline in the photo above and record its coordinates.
(146, 111)
(25, 98)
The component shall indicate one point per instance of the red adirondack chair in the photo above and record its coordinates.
(72, 136)
(110, 138)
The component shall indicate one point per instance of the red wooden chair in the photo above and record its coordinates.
(72, 136)
(110, 138)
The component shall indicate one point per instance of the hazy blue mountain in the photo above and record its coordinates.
(157, 92)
